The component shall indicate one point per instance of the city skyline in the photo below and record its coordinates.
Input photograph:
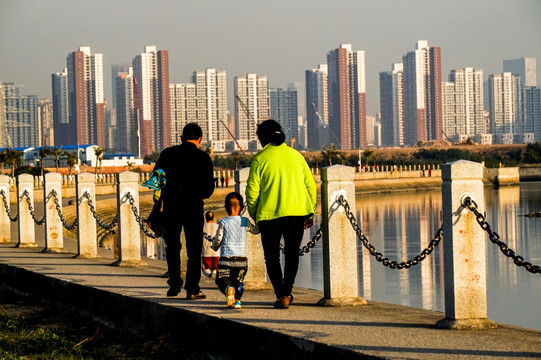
(280, 40)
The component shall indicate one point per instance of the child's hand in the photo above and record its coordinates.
(308, 223)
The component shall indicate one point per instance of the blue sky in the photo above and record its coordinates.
(279, 38)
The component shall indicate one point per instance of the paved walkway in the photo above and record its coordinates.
(135, 297)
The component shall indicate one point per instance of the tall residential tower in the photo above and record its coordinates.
(422, 94)
(347, 96)
(151, 71)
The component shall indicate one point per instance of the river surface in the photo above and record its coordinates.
(401, 225)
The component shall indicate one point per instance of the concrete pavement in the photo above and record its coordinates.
(135, 298)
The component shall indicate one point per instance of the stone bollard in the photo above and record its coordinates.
(27, 238)
(54, 237)
(87, 245)
(340, 252)
(464, 248)
(256, 278)
(129, 233)
(5, 223)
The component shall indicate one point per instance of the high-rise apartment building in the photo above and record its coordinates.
(347, 96)
(532, 110)
(284, 110)
(45, 123)
(528, 117)
(21, 114)
(317, 107)
(523, 67)
(117, 69)
(203, 101)
(253, 106)
(463, 103)
(501, 92)
(126, 138)
(60, 107)
(392, 106)
(151, 71)
(422, 94)
(3, 125)
(300, 88)
(86, 98)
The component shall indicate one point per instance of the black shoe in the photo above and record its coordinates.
(199, 296)
(173, 291)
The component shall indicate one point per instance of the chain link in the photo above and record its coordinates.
(139, 219)
(309, 245)
(61, 215)
(26, 195)
(471, 205)
(6, 207)
(96, 216)
(379, 256)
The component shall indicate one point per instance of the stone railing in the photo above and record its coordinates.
(463, 228)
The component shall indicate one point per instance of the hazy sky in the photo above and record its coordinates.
(277, 38)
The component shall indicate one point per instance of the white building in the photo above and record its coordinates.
(203, 101)
(252, 105)
(502, 105)
(463, 103)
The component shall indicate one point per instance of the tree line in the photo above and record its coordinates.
(14, 159)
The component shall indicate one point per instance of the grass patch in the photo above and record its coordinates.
(30, 330)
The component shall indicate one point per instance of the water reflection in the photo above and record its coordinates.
(402, 225)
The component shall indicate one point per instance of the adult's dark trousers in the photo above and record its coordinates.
(292, 229)
(193, 232)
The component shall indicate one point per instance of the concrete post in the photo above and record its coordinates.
(256, 278)
(54, 237)
(464, 248)
(27, 237)
(5, 223)
(87, 245)
(129, 233)
(340, 252)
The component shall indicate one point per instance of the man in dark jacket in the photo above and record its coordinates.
(190, 179)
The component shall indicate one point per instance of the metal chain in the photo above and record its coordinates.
(6, 207)
(139, 219)
(26, 194)
(60, 215)
(379, 256)
(309, 245)
(471, 205)
(96, 216)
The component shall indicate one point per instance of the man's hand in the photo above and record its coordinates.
(308, 223)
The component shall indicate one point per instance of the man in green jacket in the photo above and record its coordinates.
(281, 197)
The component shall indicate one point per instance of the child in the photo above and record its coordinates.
(231, 236)
(209, 257)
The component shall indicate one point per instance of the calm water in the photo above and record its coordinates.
(401, 225)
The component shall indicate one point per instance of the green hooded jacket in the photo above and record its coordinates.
(280, 184)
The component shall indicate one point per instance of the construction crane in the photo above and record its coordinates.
(245, 108)
(322, 123)
(231, 134)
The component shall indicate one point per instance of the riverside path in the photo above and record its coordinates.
(134, 298)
